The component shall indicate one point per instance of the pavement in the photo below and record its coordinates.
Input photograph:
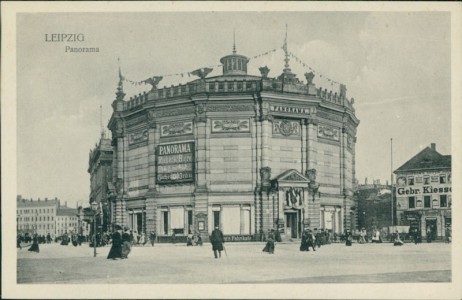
(243, 263)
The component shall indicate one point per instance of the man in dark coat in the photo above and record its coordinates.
(116, 248)
(35, 245)
(217, 241)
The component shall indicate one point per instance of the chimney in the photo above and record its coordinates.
(433, 146)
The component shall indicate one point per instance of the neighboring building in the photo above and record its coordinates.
(100, 169)
(246, 153)
(66, 220)
(36, 216)
(424, 192)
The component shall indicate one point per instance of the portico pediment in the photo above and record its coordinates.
(291, 178)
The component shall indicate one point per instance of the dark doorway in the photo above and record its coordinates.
(292, 224)
(430, 226)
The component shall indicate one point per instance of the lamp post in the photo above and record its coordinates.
(94, 208)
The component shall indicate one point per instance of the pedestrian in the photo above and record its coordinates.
(311, 240)
(35, 245)
(448, 234)
(397, 241)
(217, 241)
(116, 248)
(319, 239)
(348, 238)
(65, 239)
(75, 239)
(304, 242)
(18, 242)
(362, 236)
(142, 239)
(152, 237)
(126, 245)
(429, 234)
(269, 247)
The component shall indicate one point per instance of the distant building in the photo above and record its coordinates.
(66, 221)
(44, 216)
(424, 192)
(37, 216)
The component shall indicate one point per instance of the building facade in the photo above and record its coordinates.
(245, 153)
(66, 221)
(100, 169)
(424, 192)
(37, 216)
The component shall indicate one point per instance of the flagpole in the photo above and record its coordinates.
(391, 175)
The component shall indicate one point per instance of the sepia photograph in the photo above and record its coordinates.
(231, 150)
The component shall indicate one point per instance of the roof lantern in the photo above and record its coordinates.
(234, 64)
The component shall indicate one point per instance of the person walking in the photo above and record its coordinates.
(116, 248)
(304, 243)
(269, 247)
(35, 245)
(152, 237)
(311, 240)
(397, 241)
(126, 243)
(142, 239)
(217, 241)
(348, 238)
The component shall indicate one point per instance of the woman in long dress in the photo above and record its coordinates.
(270, 243)
(116, 248)
(35, 246)
(126, 245)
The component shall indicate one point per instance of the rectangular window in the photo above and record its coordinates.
(419, 202)
(231, 219)
(435, 178)
(165, 222)
(443, 178)
(418, 179)
(427, 202)
(411, 180)
(426, 179)
(177, 217)
(443, 200)
(411, 202)
(216, 219)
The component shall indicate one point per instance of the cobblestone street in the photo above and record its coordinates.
(244, 263)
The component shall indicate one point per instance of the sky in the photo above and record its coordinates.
(396, 65)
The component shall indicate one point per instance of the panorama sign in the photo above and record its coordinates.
(175, 163)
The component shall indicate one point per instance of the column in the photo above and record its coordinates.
(258, 209)
(303, 141)
(151, 195)
(311, 139)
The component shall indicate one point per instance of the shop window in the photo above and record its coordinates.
(411, 180)
(427, 202)
(426, 179)
(443, 178)
(443, 200)
(230, 219)
(411, 202)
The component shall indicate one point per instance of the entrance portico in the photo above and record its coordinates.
(296, 210)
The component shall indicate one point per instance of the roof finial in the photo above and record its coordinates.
(101, 120)
(120, 87)
(234, 41)
(286, 51)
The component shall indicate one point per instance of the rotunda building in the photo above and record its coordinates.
(245, 153)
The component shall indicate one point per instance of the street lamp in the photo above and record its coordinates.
(94, 208)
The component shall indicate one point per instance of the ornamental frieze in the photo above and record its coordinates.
(136, 121)
(138, 137)
(231, 125)
(329, 116)
(177, 128)
(216, 108)
(286, 127)
(176, 112)
(328, 132)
